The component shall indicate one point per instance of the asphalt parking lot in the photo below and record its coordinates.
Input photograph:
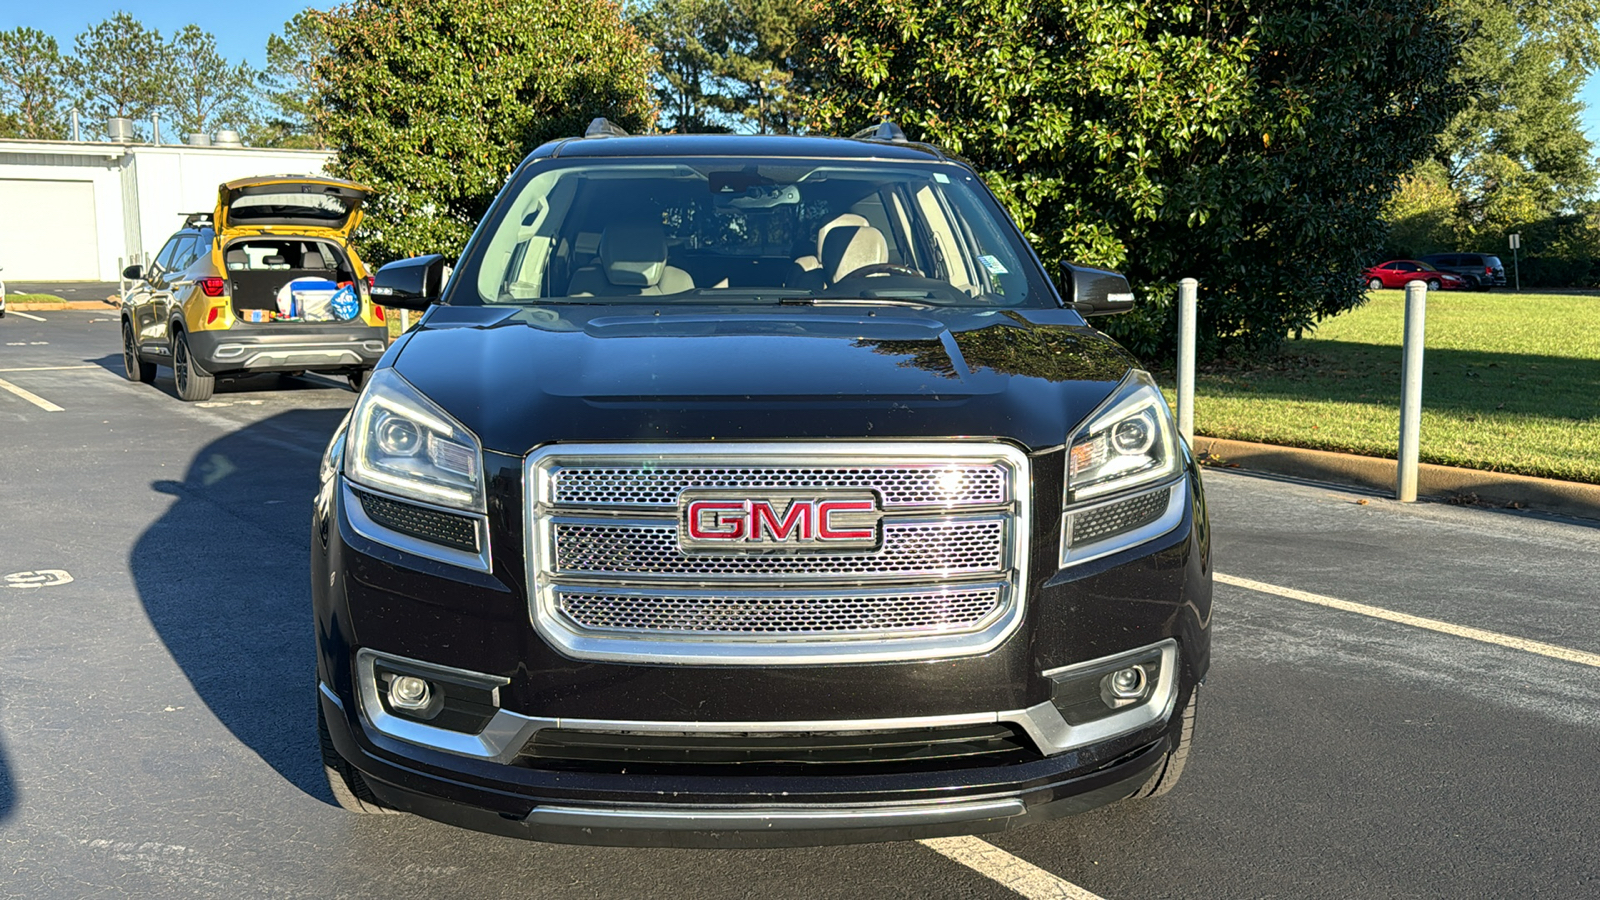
(157, 733)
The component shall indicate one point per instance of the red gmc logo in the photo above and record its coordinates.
(724, 522)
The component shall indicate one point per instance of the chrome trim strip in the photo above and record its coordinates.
(363, 525)
(508, 732)
(539, 511)
(1170, 518)
(795, 818)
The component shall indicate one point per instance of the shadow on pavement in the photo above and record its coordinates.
(223, 577)
(8, 790)
(246, 384)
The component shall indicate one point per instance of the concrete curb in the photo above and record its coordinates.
(70, 304)
(1566, 498)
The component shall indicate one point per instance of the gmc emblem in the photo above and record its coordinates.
(728, 521)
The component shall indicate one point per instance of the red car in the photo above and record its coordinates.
(1396, 272)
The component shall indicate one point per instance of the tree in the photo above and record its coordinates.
(32, 86)
(116, 71)
(203, 91)
(434, 102)
(287, 85)
(692, 39)
(1248, 143)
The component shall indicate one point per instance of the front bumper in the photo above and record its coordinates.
(289, 347)
(371, 596)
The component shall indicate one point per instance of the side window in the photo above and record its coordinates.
(163, 260)
(183, 255)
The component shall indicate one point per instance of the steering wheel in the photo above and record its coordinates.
(882, 269)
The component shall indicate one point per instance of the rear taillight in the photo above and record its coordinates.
(1488, 270)
(377, 313)
(212, 287)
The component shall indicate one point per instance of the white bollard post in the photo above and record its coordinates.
(1411, 392)
(405, 320)
(1188, 295)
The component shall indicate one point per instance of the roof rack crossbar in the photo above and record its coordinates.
(883, 131)
(602, 127)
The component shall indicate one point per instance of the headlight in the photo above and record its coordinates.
(402, 443)
(1128, 442)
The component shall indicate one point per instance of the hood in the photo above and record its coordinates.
(520, 377)
(298, 204)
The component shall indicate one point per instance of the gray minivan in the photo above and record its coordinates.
(1481, 270)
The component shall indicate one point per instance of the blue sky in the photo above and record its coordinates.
(242, 27)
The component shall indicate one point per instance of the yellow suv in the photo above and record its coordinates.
(266, 283)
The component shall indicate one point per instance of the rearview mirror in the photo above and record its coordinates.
(409, 283)
(133, 273)
(1094, 291)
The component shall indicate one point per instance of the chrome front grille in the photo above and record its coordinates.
(909, 486)
(808, 614)
(614, 580)
(920, 549)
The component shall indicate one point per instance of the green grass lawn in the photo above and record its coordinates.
(33, 298)
(1511, 383)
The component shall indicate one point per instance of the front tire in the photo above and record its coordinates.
(1375, 284)
(133, 367)
(1171, 769)
(349, 789)
(194, 382)
(358, 378)
(1433, 284)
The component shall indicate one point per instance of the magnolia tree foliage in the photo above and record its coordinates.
(1248, 143)
(434, 102)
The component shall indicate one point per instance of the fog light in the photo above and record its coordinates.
(408, 692)
(1127, 684)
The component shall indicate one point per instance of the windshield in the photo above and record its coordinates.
(739, 231)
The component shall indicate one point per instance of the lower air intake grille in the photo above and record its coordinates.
(1115, 518)
(444, 528)
(985, 744)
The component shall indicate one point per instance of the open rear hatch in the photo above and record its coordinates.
(303, 204)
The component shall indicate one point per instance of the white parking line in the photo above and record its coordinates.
(35, 399)
(1477, 634)
(18, 312)
(1018, 875)
(47, 368)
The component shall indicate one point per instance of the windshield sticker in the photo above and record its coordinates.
(993, 265)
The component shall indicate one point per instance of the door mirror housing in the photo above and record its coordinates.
(133, 273)
(1093, 291)
(410, 283)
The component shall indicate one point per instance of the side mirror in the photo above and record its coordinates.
(133, 273)
(409, 283)
(1095, 292)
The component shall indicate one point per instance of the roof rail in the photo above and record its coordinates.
(602, 127)
(883, 131)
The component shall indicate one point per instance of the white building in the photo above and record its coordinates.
(79, 211)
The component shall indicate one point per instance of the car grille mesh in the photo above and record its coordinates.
(935, 485)
(460, 532)
(1115, 518)
(779, 616)
(614, 581)
(910, 549)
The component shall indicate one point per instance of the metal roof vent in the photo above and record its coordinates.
(120, 130)
(199, 139)
(602, 127)
(227, 138)
(883, 131)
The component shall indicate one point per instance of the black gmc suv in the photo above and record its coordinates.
(755, 491)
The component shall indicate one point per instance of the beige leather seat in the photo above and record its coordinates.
(807, 264)
(632, 263)
(847, 249)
